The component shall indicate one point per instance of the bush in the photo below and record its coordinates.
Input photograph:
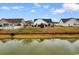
(42, 25)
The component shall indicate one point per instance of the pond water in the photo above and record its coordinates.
(39, 47)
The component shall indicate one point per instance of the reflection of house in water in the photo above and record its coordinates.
(42, 21)
(69, 22)
(11, 23)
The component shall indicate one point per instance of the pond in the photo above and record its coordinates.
(38, 47)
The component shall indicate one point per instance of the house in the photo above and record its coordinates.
(28, 23)
(69, 22)
(11, 23)
(40, 21)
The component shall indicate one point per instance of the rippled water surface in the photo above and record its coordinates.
(39, 47)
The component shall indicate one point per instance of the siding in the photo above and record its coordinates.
(39, 22)
(71, 22)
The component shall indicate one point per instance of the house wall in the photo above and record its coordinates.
(38, 22)
(10, 25)
(61, 23)
(23, 23)
(71, 22)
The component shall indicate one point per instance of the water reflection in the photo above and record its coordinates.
(39, 47)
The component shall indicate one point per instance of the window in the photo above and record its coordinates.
(75, 24)
(18, 25)
(0, 25)
(38, 25)
(6, 24)
(68, 24)
(48, 24)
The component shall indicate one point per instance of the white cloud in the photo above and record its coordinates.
(58, 11)
(11, 8)
(55, 20)
(46, 6)
(5, 8)
(46, 16)
(71, 6)
(17, 7)
(32, 10)
(37, 5)
(66, 7)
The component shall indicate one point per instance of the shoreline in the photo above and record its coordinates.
(37, 35)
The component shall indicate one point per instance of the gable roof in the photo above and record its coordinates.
(46, 20)
(13, 20)
(67, 19)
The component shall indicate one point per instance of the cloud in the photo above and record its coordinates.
(5, 8)
(71, 6)
(55, 19)
(56, 11)
(66, 7)
(46, 6)
(17, 7)
(37, 5)
(32, 10)
(46, 16)
(11, 8)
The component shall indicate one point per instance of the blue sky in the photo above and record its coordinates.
(30, 11)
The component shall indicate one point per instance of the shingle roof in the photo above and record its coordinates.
(46, 20)
(67, 19)
(13, 20)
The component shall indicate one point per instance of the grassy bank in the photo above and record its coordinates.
(48, 32)
(35, 36)
(44, 30)
(68, 37)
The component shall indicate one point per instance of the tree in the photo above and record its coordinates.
(42, 25)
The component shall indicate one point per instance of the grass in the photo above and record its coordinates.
(56, 29)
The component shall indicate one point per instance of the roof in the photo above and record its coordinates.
(12, 20)
(46, 20)
(67, 19)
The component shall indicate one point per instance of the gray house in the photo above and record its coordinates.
(11, 23)
(69, 22)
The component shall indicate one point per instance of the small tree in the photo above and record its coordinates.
(12, 35)
(36, 25)
(18, 25)
(42, 25)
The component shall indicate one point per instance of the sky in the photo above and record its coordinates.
(31, 11)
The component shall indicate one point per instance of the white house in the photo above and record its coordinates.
(69, 22)
(45, 22)
(11, 23)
